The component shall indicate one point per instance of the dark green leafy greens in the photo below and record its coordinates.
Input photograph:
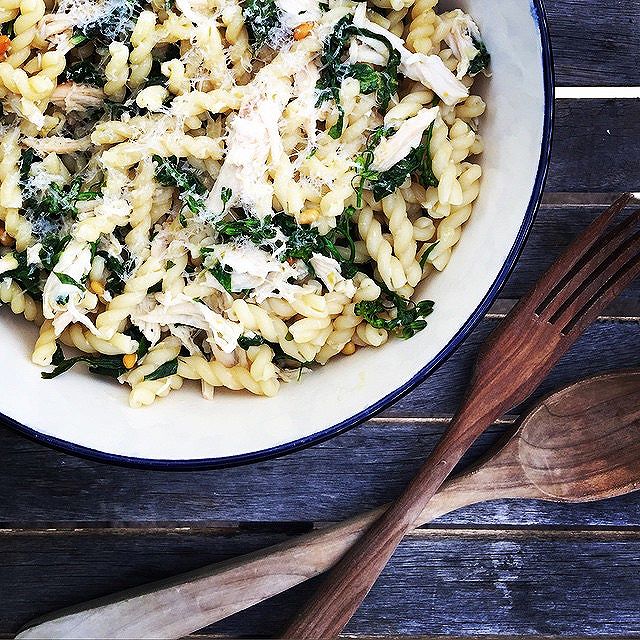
(482, 60)
(171, 172)
(65, 279)
(164, 370)
(334, 70)
(262, 18)
(301, 241)
(85, 71)
(116, 23)
(31, 277)
(383, 183)
(404, 318)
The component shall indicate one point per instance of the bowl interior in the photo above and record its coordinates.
(93, 414)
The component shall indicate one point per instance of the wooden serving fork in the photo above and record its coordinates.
(512, 363)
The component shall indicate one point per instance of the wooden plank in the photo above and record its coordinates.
(464, 585)
(595, 45)
(595, 146)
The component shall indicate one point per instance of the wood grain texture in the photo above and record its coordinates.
(435, 585)
(595, 146)
(595, 44)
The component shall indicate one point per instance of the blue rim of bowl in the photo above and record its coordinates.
(539, 14)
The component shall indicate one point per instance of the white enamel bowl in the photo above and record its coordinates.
(90, 416)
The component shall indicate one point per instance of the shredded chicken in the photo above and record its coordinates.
(57, 144)
(73, 96)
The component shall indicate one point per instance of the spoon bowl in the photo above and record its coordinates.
(583, 443)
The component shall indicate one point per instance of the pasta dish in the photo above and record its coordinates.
(230, 191)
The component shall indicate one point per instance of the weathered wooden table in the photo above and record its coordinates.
(73, 530)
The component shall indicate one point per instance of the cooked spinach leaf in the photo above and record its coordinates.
(334, 70)
(164, 370)
(85, 72)
(221, 275)
(171, 172)
(383, 183)
(65, 279)
(262, 18)
(482, 60)
(245, 341)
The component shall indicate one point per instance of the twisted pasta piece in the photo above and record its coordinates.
(45, 346)
(149, 273)
(217, 375)
(143, 39)
(126, 154)
(141, 206)
(19, 302)
(77, 336)
(380, 249)
(402, 230)
(117, 72)
(15, 225)
(450, 228)
(177, 81)
(144, 392)
(262, 368)
(448, 192)
(370, 336)
(462, 139)
(425, 30)
(24, 31)
(236, 35)
(344, 326)
(271, 328)
(112, 211)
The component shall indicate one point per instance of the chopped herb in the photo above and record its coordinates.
(262, 18)
(171, 172)
(246, 341)
(164, 370)
(65, 279)
(116, 24)
(52, 248)
(118, 272)
(225, 195)
(28, 276)
(396, 314)
(170, 264)
(482, 59)
(59, 202)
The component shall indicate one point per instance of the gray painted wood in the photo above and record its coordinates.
(462, 585)
(595, 44)
(595, 146)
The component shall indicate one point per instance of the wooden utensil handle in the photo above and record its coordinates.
(348, 583)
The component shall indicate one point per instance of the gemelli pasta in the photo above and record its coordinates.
(229, 191)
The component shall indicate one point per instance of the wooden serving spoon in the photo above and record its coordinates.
(580, 444)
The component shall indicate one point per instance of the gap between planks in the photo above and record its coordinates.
(461, 532)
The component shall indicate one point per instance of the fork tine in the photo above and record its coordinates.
(607, 292)
(584, 279)
(560, 273)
